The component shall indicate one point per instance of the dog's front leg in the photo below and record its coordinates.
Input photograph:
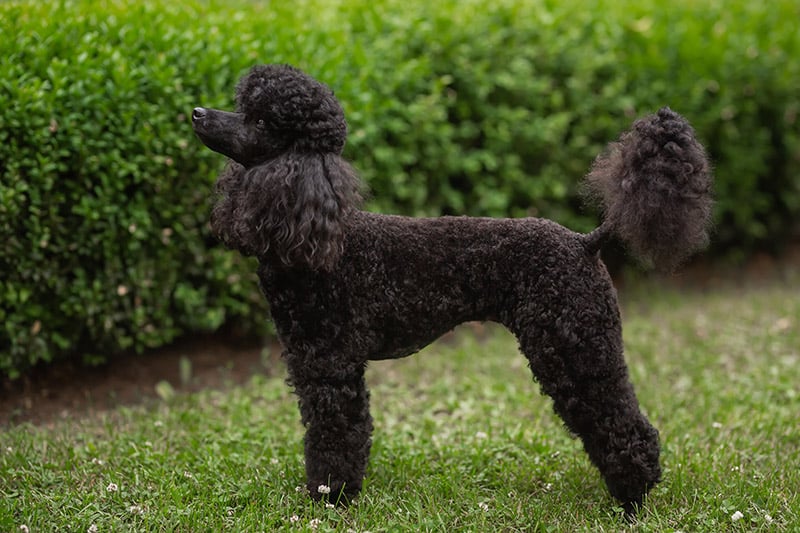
(335, 412)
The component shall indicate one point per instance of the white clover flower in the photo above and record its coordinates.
(158, 423)
(274, 461)
(112, 487)
(484, 506)
(92, 529)
(329, 506)
(299, 488)
(135, 509)
(768, 518)
(716, 425)
(324, 489)
(314, 524)
(294, 519)
(481, 435)
(24, 528)
(737, 516)
(96, 461)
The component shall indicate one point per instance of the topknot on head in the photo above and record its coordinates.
(295, 104)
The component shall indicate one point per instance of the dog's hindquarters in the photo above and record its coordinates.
(575, 352)
(655, 187)
(601, 409)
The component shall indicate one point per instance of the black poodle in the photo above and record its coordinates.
(346, 286)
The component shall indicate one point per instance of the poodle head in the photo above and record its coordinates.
(278, 108)
(286, 194)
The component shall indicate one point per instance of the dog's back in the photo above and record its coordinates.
(401, 282)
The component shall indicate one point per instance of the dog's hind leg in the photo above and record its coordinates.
(581, 367)
(334, 408)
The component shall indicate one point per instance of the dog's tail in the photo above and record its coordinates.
(655, 188)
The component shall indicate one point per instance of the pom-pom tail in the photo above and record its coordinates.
(655, 186)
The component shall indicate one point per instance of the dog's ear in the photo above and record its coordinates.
(291, 208)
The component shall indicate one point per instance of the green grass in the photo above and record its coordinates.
(463, 440)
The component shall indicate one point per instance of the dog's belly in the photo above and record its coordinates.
(405, 338)
(397, 350)
(397, 353)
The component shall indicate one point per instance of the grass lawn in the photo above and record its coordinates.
(463, 440)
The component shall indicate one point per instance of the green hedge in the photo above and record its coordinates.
(104, 199)
(477, 107)
(499, 110)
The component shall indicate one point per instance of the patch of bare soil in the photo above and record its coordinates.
(66, 390)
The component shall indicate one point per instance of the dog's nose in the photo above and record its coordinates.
(198, 113)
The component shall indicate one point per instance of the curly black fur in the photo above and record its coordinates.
(655, 184)
(346, 286)
(290, 207)
(287, 190)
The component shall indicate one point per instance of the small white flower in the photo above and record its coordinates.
(299, 488)
(484, 506)
(548, 487)
(274, 461)
(314, 524)
(481, 435)
(737, 516)
(187, 474)
(294, 519)
(112, 487)
(9, 449)
(24, 528)
(768, 518)
(92, 529)
(96, 461)
(148, 444)
(324, 489)
(329, 506)
(135, 509)
(716, 425)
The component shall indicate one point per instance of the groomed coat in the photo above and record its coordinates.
(346, 286)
